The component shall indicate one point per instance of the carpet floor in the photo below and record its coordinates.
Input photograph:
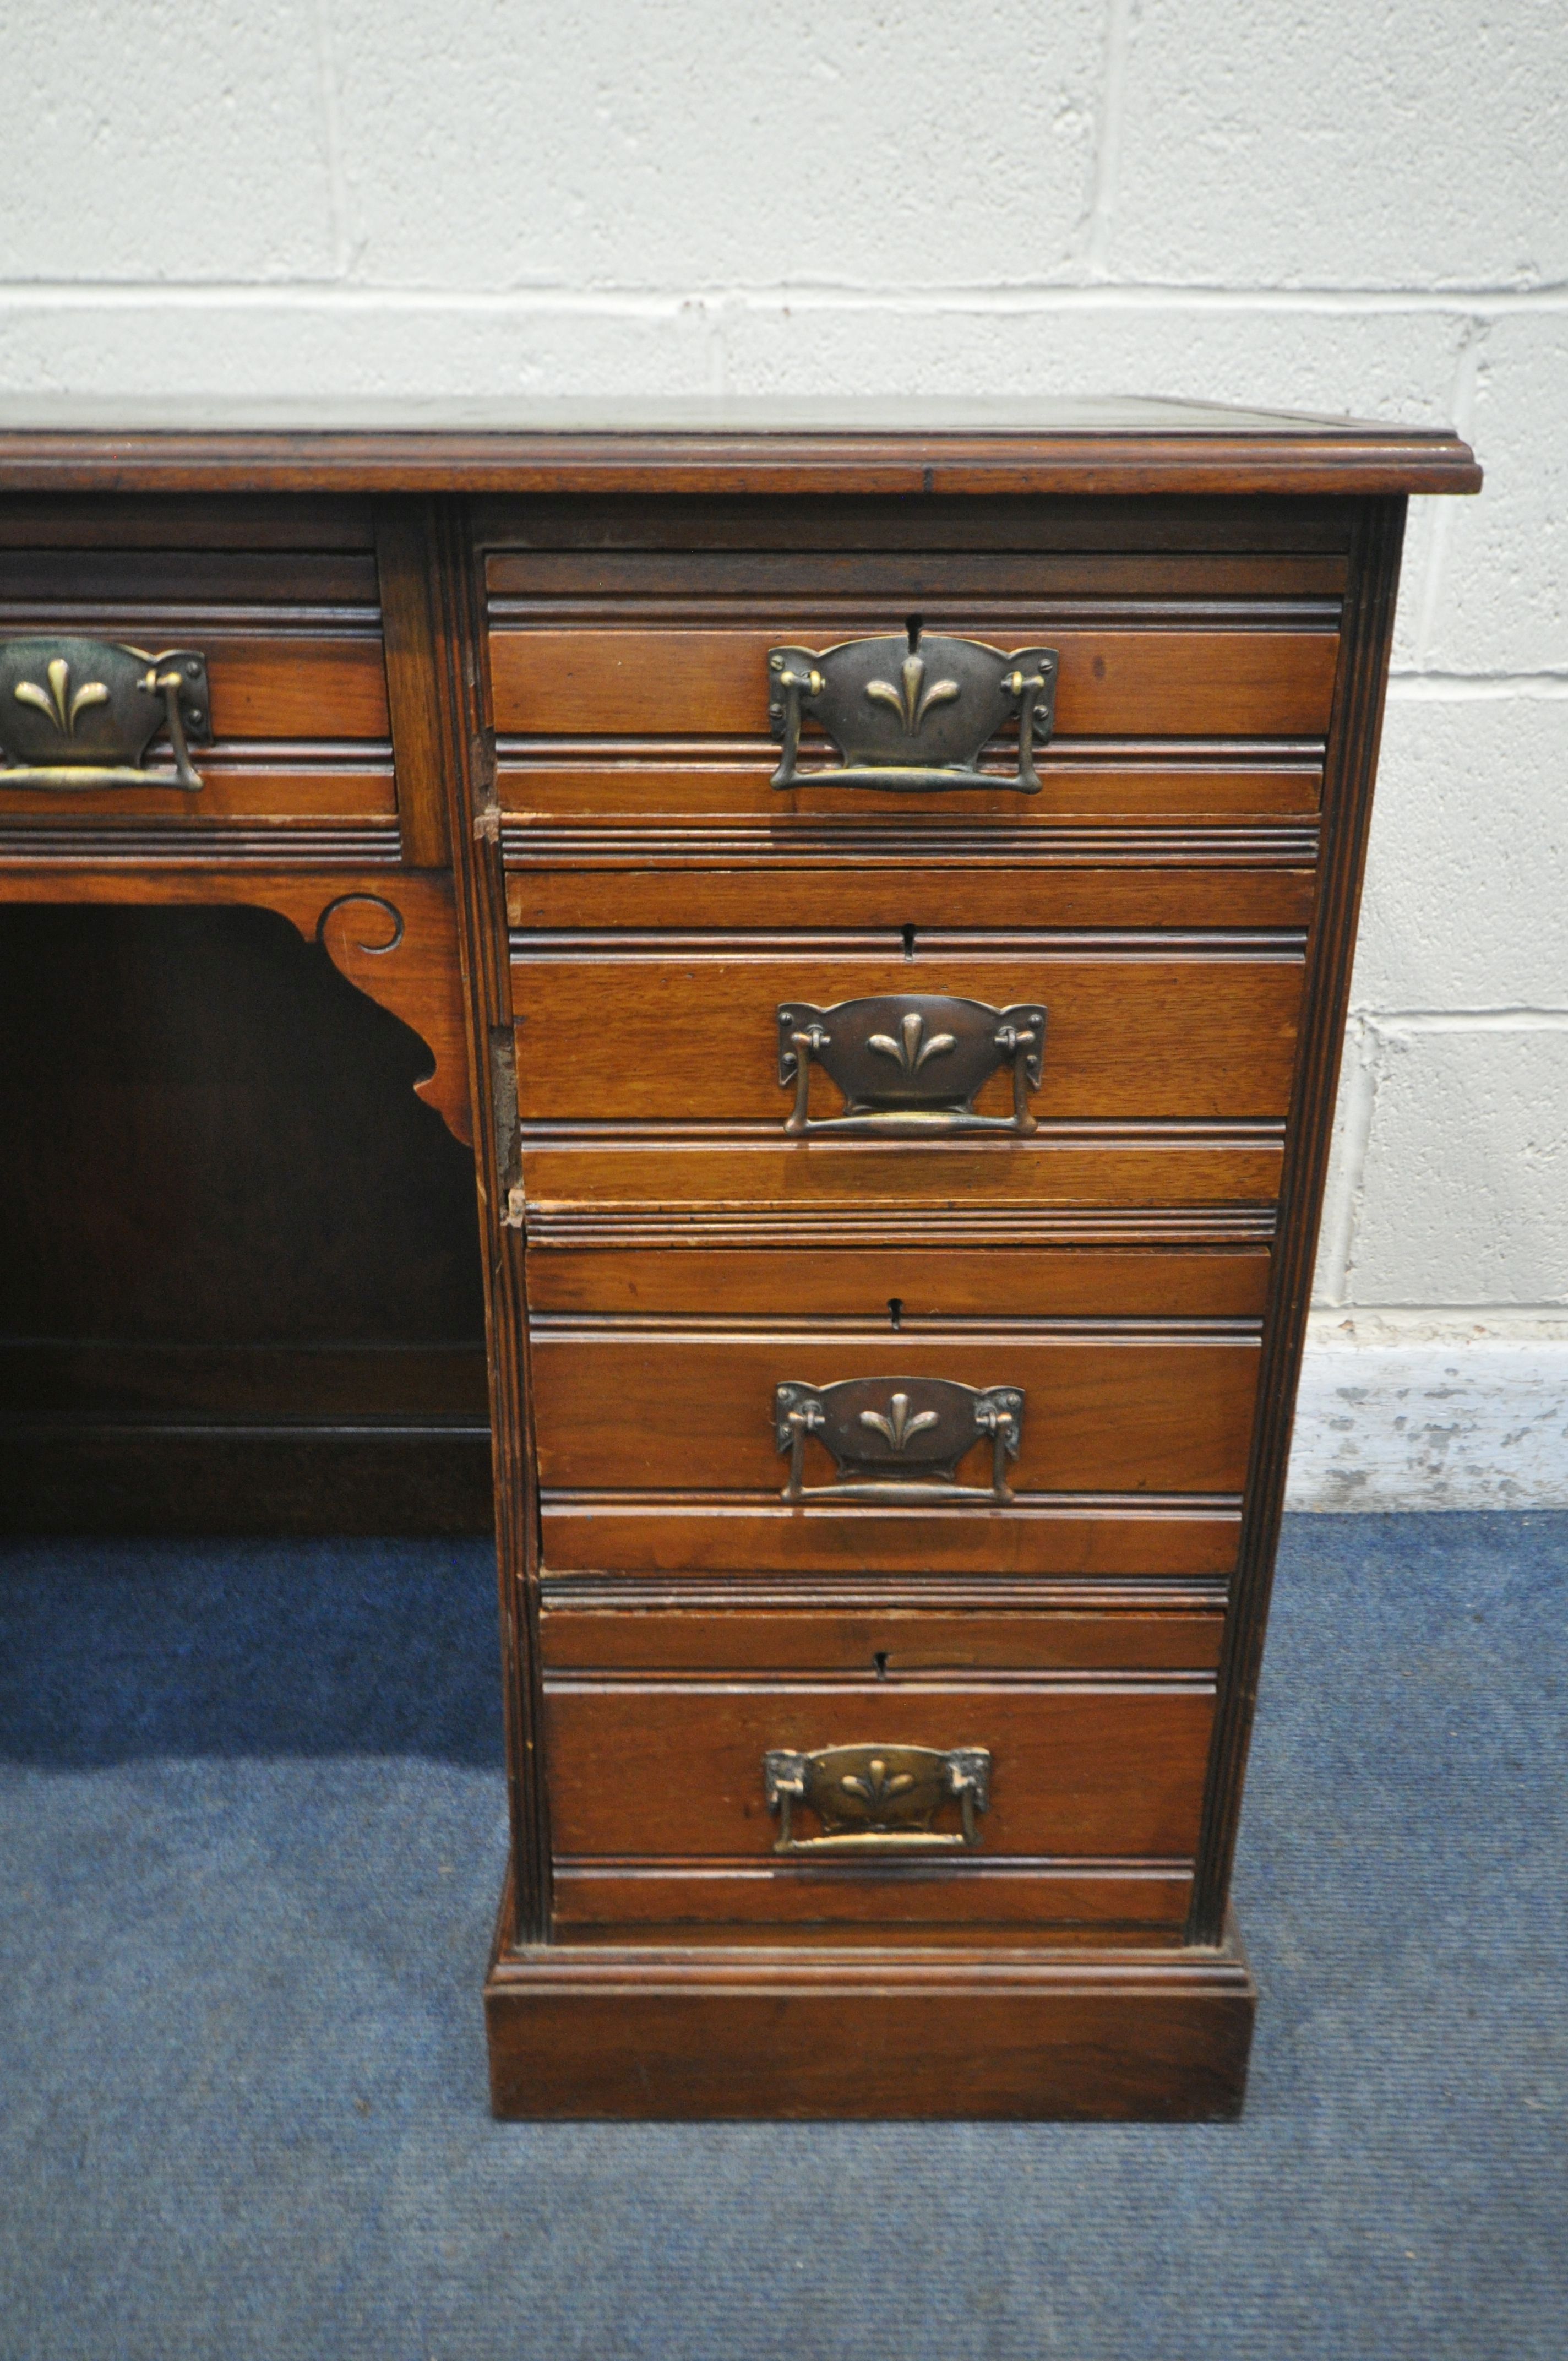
(251, 1835)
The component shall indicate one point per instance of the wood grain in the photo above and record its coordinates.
(628, 1034)
(661, 1769)
(1117, 1167)
(866, 1281)
(717, 894)
(1083, 780)
(1109, 1412)
(655, 1533)
(1157, 683)
(892, 1641)
(804, 2032)
(1026, 1897)
(408, 623)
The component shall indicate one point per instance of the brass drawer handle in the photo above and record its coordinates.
(910, 716)
(898, 1441)
(78, 713)
(878, 1799)
(910, 1062)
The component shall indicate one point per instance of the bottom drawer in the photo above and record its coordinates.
(916, 1800)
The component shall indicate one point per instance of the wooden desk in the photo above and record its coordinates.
(880, 903)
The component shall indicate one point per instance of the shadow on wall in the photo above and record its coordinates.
(115, 1650)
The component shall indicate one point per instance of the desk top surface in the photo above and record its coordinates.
(1112, 446)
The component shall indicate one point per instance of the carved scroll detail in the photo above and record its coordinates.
(403, 955)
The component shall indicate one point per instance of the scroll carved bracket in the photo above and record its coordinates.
(403, 955)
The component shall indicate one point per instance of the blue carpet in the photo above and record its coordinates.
(253, 1833)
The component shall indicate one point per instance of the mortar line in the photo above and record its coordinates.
(1012, 298)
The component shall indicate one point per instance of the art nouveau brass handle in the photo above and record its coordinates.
(910, 1062)
(878, 1799)
(910, 716)
(78, 713)
(898, 1441)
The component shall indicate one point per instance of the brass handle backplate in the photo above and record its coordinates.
(878, 1799)
(911, 715)
(78, 713)
(910, 1062)
(898, 1441)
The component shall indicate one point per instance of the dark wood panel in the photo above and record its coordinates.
(715, 448)
(741, 577)
(589, 2030)
(1102, 1413)
(602, 1533)
(1117, 1168)
(1026, 1897)
(414, 655)
(587, 522)
(890, 1641)
(186, 577)
(79, 1478)
(663, 1769)
(282, 1214)
(851, 894)
(922, 1282)
(193, 521)
(612, 1035)
(600, 682)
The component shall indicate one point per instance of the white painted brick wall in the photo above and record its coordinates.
(1284, 202)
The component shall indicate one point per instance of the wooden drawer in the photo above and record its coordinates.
(664, 1408)
(858, 889)
(1140, 1028)
(888, 1281)
(1073, 1169)
(1132, 675)
(581, 1632)
(658, 1446)
(661, 1813)
(735, 1535)
(295, 672)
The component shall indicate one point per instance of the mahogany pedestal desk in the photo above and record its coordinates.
(879, 901)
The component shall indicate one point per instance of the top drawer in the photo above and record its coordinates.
(628, 684)
(280, 607)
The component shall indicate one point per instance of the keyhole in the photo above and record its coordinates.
(909, 943)
(913, 625)
(895, 1310)
(879, 1658)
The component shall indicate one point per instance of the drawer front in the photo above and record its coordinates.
(630, 683)
(893, 1284)
(888, 1642)
(623, 1408)
(1138, 1029)
(295, 726)
(708, 888)
(1110, 1168)
(661, 1811)
(1143, 681)
(735, 1535)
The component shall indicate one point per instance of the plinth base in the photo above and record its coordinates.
(701, 2031)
